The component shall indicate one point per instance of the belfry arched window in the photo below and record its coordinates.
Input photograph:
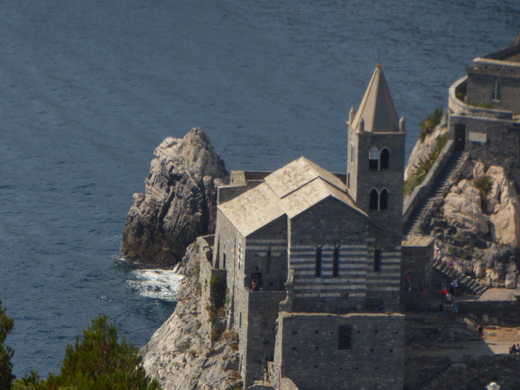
(384, 159)
(374, 200)
(378, 200)
(373, 158)
(383, 200)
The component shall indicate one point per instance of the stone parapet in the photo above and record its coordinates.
(422, 190)
(457, 106)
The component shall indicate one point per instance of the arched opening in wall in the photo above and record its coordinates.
(373, 158)
(460, 137)
(383, 200)
(374, 200)
(377, 260)
(318, 262)
(384, 159)
(335, 262)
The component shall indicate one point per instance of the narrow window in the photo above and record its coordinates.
(268, 262)
(373, 158)
(495, 91)
(224, 261)
(351, 152)
(344, 337)
(318, 261)
(335, 262)
(384, 159)
(383, 200)
(348, 180)
(377, 260)
(374, 199)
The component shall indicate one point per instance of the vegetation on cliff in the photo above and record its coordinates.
(97, 361)
(430, 123)
(6, 352)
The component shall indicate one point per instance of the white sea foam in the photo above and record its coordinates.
(156, 283)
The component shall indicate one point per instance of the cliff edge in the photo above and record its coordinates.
(179, 203)
(191, 350)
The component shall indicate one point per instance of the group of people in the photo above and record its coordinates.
(447, 297)
(515, 348)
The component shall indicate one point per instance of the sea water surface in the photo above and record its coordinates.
(89, 88)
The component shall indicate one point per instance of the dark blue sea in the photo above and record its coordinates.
(88, 89)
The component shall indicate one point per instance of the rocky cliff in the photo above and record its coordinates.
(477, 224)
(190, 351)
(179, 202)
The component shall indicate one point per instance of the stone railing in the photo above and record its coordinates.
(422, 190)
(459, 107)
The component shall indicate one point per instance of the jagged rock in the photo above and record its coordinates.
(179, 203)
(181, 354)
(511, 280)
(502, 203)
(462, 208)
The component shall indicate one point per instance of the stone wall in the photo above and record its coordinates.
(207, 274)
(363, 179)
(473, 372)
(352, 351)
(491, 312)
(259, 332)
(501, 146)
(417, 258)
(315, 236)
(480, 85)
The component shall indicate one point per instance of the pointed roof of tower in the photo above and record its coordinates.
(377, 107)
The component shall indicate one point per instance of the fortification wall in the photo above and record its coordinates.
(472, 372)
(480, 86)
(492, 312)
(498, 145)
(352, 351)
(258, 335)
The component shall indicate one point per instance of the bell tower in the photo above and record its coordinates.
(375, 164)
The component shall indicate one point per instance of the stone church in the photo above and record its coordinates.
(313, 261)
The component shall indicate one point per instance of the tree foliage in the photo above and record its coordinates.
(100, 361)
(6, 352)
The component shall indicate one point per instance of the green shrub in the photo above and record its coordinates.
(6, 352)
(429, 124)
(483, 184)
(218, 290)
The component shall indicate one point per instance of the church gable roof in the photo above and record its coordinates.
(377, 108)
(297, 174)
(290, 190)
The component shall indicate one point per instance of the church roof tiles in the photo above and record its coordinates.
(289, 191)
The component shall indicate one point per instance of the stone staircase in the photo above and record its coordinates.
(438, 190)
(447, 332)
(466, 284)
(434, 379)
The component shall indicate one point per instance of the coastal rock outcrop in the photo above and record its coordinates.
(179, 203)
(187, 352)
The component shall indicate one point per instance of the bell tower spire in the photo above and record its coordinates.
(376, 161)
